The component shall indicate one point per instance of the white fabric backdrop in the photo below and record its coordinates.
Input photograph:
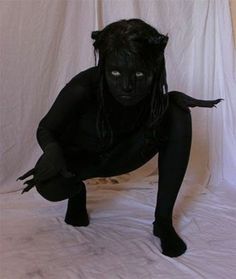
(45, 43)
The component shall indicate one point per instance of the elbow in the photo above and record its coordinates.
(40, 134)
(44, 136)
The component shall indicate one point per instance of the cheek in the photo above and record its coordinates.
(114, 84)
(144, 85)
(110, 81)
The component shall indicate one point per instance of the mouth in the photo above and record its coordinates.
(126, 97)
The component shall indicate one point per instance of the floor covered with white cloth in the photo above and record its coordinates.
(118, 243)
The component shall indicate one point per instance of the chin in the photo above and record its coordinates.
(129, 103)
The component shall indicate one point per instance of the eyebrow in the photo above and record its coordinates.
(116, 66)
(113, 65)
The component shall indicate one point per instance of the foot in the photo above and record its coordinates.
(77, 220)
(76, 214)
(172, 245)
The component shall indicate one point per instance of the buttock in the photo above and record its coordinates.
(124, 157)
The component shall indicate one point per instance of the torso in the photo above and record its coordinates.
(81, 131)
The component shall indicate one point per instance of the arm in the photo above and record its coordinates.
(71, 98)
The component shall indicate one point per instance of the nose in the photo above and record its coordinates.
(127, 84)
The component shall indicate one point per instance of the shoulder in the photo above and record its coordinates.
(87, 78)
(83, 86)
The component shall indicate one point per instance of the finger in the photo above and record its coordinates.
(210, 103)
(26, 189)
(27, 174)
(217, 101)
(29, 182)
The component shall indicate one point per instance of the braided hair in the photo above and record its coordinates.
(133, 37)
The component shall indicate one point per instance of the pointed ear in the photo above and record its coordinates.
(95, 35)
(163, 41)
(160, 41)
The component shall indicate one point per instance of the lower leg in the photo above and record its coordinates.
(172, 245)
(76, 214)
(173, 161)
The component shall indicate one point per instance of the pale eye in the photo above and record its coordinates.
(115, 73)
(139, 74)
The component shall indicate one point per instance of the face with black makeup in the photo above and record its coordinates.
(128, 80)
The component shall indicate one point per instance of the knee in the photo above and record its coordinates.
(59, 188)
(180, 123)
(48, 191)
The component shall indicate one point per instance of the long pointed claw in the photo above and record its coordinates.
(29, 182)
(217, 101)
(26, 189)
(27, 174)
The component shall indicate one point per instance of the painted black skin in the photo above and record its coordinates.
(73, 152)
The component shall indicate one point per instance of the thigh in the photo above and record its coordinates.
(126, 156)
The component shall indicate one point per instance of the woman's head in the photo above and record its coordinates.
(132, 65)
(132, 37)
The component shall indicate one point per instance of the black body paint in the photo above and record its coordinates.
(124, 100)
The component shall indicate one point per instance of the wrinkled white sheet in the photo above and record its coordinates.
(36, 243)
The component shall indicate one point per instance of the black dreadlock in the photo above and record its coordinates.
(138, 38)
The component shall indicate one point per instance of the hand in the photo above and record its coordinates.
(184, 101)
(35, 180)
(50, 164)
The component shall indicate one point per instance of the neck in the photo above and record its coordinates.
(125, 118)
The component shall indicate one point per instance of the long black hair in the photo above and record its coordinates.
(133, 37)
